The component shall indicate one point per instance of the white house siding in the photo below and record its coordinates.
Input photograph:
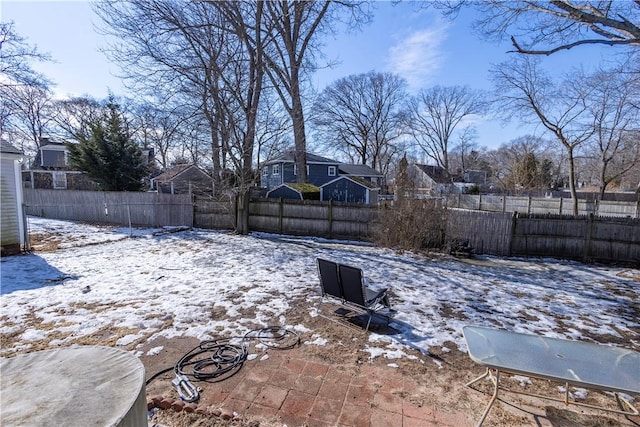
(12, 225)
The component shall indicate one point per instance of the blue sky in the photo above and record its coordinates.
(417, 44)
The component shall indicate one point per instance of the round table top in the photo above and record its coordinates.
(85, 385)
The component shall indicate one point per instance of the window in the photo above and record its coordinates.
(59, 180)
(332, 171)
(265, 171)
(276, 170)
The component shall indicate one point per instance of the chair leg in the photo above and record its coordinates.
(368, 323)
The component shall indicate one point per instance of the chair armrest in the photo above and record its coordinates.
(374, 297)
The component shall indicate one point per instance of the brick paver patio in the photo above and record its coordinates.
(287, 388)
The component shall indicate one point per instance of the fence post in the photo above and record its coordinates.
(242, 212)
(504, 204)
(529, 205)
(280, 213)
(129, 218)
(512, 233)
(330, 212)
(479, 202)
(587, 241)
(561, 199)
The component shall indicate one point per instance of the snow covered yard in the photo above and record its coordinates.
(102, 285)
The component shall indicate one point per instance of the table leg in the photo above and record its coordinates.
(496, 387)
(486, 372)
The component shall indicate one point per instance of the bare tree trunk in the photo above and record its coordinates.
(572, 179)
(299, 134)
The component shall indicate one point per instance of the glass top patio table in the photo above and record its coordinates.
(580, 363)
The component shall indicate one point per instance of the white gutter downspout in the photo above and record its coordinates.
(22, 229)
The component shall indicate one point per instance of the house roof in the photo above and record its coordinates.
(174, 171)
(290, 157)
(436, 173)
(358, 170)
(51, 142)
(356, 179)
(5, 147)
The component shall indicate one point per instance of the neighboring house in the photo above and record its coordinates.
(13, 223)
(295, 191)
(53, 154)
(50, 168)
(362, 171)
(283, 170)
(183, 179)
(321, 171)
(350, 189)
(429, 181)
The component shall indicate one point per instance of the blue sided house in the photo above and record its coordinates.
(327, 179)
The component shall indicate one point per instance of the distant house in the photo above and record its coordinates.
(183, 179)
(364, 172)
(363, 180)
(429, 181)
(50, 168)
(53, 154)
(283, 169)
(13, 223)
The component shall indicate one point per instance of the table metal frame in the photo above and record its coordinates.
(494, 372)
(495, 379)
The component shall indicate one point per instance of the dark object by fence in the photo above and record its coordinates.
(460, 247)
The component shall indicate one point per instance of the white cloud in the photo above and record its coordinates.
(418, 56)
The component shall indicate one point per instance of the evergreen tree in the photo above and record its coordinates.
(108, 153)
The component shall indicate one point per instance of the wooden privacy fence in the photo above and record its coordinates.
(487, 232)
(294, 217)
(312, 218)
(543, 205)
(584, 238)
(214, 214)
(110, 207)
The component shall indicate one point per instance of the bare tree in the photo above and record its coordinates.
(203, 56)
(546, 27)
(25, 95)
(613, 107)
(525, 165)
(74, 116)
(435, 115)
(16, 56)
(460, 157)
(363, 116)
(160, 129)
(525, 91)
(273, 129)
(294, 26)
(30, 114)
